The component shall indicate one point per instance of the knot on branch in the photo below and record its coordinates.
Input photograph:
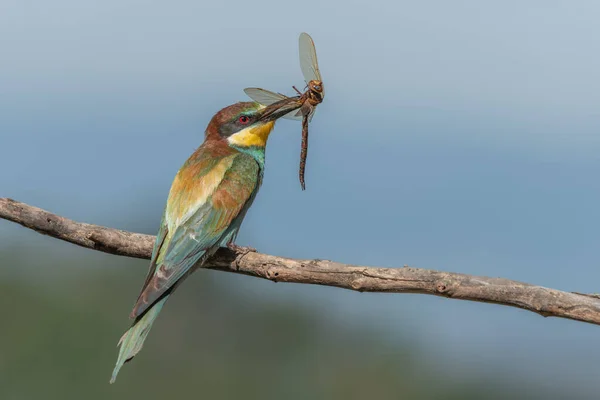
(272, 275)
(443, 287)
(358, 285)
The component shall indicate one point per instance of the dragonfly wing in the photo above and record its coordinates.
(263, 96)
(308, 59)
(266, 98)
(310, 111)
(292, 115)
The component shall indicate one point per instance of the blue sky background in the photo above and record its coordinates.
(460, 136)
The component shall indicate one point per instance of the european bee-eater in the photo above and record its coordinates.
(207, 202)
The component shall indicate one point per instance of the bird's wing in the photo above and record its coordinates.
(207, 195)
(160, 238)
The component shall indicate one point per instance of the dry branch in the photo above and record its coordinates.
(541, 300)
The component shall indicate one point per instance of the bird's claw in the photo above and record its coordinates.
(240, 249)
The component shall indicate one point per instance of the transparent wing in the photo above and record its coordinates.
(308, 59)
(263, 96)
(298, 115)
(266, 98)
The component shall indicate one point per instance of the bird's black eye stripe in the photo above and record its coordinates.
(236, 124)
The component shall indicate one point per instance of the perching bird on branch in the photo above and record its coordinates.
(207, 202)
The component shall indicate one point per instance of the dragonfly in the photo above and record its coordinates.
(308, 100)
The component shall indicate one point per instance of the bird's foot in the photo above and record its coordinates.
(240, 249)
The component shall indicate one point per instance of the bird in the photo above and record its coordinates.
(206, 205)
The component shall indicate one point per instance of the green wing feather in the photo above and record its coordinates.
(201, 232)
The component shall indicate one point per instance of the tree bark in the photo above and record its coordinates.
(544, 301)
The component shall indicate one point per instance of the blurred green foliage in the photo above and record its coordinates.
(65, 308)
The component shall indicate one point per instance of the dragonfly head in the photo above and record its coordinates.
(315, 86)
(316, 91)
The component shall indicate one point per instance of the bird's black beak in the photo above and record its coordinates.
(279, 109)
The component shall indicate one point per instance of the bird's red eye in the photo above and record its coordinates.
(244, 119)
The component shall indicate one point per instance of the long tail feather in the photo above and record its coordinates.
(133, 340)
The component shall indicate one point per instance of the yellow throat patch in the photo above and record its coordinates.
(252, 136)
